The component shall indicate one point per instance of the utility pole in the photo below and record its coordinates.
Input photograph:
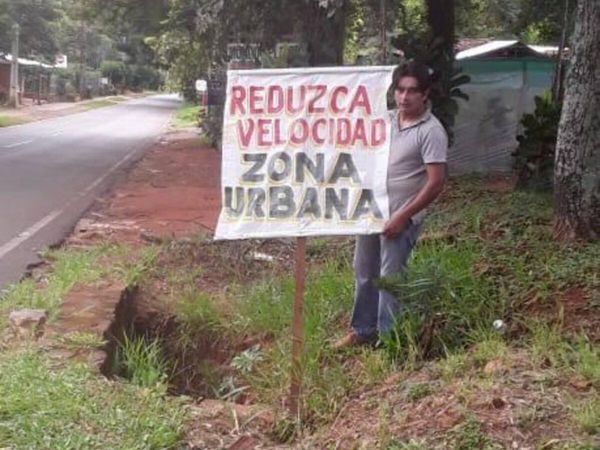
(383, 33)
(13, 96)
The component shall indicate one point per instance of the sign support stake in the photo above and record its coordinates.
(298, 328)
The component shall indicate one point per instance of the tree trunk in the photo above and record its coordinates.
(440, 17)
(577, 163)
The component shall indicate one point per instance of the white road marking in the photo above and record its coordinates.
(16, 144)
(22, 237)
(36, 227)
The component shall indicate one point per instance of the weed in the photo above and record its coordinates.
(187, 116)
(229, 390)
(132, 274)
(246, 361)
(547, 344)
(142, 362)
(198, 311)
(488, 347)
(82, 339)
(469, 435)
(374, 366)
(385, 413)
(286, 429)
(410, 445)
(586, 415)
(453, 365)
(443, 302)
(526, 417)
(418, 391)
(587, 361)
(268, 310)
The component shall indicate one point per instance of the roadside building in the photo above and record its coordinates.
(34, 79)
(505, 78)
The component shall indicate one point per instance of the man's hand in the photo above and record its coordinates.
(396, 225)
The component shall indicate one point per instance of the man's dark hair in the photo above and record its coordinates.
(413, 69)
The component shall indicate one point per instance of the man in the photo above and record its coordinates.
(416, 176)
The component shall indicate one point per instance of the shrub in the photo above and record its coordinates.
(534, 157)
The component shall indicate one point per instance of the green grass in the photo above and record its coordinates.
(418, 391)
(141, 361)
(81, 339)
(409, 445)
(586, 414)
(446, 302)
(495, 253)
(268, 309)
(72, 408)
(470, 435)
(95, 104)
(70, 267)
(7, 121)
(586, 360)
(187, 116)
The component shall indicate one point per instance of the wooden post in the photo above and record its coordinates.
(13, 94)
(297, 328)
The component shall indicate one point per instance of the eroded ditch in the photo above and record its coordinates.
(196, 350)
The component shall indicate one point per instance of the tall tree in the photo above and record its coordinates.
(35, 18)
(577, 163)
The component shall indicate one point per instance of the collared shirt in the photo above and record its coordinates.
(423, 142)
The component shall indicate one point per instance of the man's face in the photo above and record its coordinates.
(409, 98)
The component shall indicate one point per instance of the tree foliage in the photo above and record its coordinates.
(36, 21)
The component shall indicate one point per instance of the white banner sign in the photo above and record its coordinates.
(305, 152)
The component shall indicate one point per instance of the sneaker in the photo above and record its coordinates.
(353, 340)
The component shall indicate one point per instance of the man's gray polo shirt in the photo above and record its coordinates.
(421, 143)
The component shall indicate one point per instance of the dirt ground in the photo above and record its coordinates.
(30, 111)
(172, 192)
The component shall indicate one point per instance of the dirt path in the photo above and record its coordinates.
(172, 192)
(31, 112)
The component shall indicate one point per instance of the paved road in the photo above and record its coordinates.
(51, 172)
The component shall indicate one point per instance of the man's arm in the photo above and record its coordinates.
(436, 177)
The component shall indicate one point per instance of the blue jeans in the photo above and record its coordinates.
(377, 256)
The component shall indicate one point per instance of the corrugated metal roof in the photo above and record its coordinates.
(485, 48)
(25, 61)
(545, 49)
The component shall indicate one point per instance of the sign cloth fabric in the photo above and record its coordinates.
(305, 152)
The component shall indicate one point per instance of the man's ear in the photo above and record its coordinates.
(426, 94)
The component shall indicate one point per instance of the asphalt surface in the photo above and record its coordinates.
(52, 171)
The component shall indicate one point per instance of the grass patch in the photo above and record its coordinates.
(187, 116)
(418, 391)
(547, 344)
(268, 310)
(489, 348)
(452, 366)
(470, 435)
(96, 104)
(586, 358)
(445, 302)
(82, 339)
(70, 267)
(410, 445)
(73, 408)
(586, 414)
(141, 361)
(8, 121)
